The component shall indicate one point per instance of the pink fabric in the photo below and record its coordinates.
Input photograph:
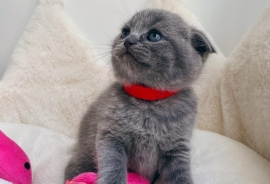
(134, 178)
(90, 178)
(85, 178)
(13, 162)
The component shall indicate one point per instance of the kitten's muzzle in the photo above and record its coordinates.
(131, 40)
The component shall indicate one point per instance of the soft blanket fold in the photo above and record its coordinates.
(245, 89)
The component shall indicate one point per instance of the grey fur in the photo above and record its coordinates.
(120, 132)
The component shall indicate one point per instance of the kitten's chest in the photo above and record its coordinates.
(145, 123)
(141, 118)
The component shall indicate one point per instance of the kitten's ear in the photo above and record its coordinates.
(201, 44)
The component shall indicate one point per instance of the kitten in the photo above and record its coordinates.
(157, 50)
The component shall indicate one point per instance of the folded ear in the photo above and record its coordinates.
(201, 44)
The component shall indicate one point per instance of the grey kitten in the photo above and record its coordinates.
(121, 133)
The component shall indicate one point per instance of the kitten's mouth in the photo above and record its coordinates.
(128, 54)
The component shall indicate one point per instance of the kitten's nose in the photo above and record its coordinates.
(131, 40)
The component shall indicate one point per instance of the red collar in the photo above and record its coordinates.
(146, 93)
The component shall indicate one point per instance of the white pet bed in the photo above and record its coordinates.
(53, 77)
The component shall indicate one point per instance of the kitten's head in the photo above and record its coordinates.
(159, 49)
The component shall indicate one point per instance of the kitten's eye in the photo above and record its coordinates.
(125, 33)
(154, 37)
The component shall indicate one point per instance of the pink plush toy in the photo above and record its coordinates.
(90, 178)
(14, 164)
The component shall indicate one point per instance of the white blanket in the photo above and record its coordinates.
(53, 77)
(215, 159)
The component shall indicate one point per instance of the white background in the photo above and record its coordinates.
(99, 20)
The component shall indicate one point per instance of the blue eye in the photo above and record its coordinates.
(154, 37)
(125, 33)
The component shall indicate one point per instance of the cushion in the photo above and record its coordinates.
(245, 89)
